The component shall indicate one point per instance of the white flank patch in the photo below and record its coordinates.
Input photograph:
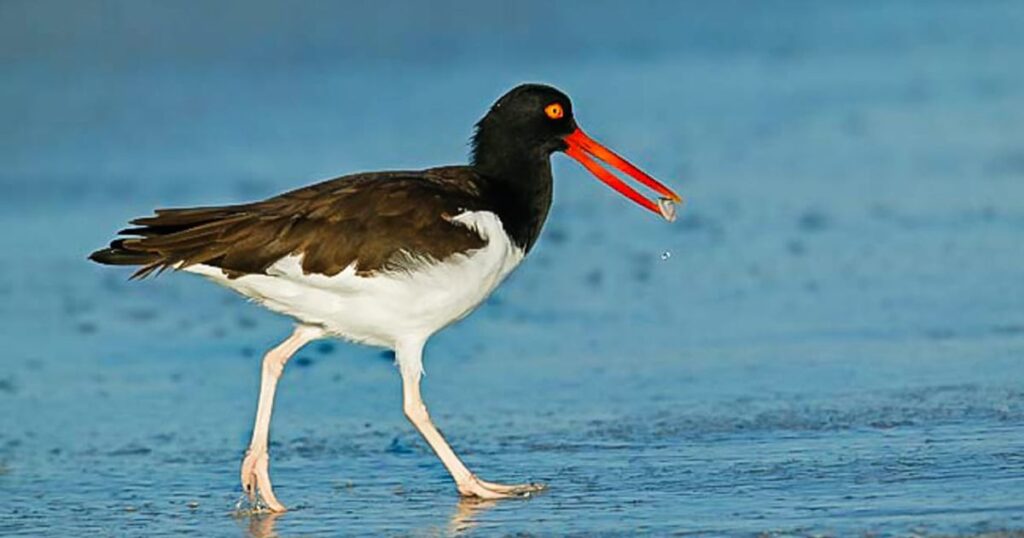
(386, 308)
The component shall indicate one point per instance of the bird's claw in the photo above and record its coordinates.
(256, 484)
(482, 489)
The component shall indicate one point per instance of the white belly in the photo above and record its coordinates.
(385, 308)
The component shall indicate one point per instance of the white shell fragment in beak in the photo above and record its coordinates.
(667, 208)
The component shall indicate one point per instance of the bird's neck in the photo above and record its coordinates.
(518, 184)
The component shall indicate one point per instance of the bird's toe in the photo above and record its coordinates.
(492, 490)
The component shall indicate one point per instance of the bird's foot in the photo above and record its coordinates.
(256, 482)
(482, 489)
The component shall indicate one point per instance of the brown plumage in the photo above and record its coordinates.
(377, 221)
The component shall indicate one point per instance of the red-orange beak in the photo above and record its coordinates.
(582, 147)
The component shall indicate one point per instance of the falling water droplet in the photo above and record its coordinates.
(665, 255)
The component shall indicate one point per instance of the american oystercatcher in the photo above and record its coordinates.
(385, 258)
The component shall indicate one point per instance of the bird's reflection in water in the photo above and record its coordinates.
(463, 519)
(259, 525)
(466, 512)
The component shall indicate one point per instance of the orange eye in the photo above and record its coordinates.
(554, 111)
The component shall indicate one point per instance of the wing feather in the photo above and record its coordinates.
(376, 221)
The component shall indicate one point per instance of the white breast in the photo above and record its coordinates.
(385, 308)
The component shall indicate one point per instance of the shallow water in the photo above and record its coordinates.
(834, 346)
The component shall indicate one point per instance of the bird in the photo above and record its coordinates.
(386, 259)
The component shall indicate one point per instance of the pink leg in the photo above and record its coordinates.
(410, 362)
(255, 474)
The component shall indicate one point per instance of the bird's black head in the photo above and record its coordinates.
(529, 122)
(514, 142)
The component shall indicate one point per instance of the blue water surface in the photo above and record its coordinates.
(830, 340)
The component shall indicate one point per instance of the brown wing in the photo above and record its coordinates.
(369, 220)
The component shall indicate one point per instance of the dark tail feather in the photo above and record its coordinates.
(155, 245)
(117, 254)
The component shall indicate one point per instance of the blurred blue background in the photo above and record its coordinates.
(829, 341)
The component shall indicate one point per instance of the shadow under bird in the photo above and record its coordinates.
(386, 258)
